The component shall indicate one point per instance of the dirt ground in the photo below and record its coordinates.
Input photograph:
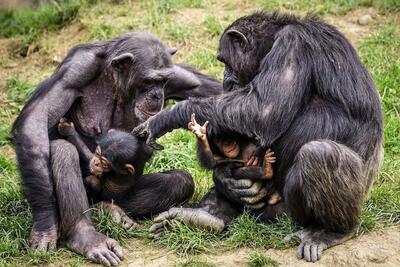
(379, 248)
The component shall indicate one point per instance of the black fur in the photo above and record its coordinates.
(299, 86)
(116, 83)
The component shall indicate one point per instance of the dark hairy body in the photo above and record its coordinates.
(118, 84)
(299, 86)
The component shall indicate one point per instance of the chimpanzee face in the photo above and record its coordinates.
(228, 147)
(99, 164)
(141, 71)
(240, 63)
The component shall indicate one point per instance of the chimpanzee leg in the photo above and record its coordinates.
(75, 223)
(157, 192)
(213, 213)
(324, 191)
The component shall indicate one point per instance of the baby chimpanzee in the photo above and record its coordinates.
(238, 152)
(115, 166)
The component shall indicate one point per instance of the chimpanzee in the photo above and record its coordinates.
(299, 86)
(231, 149)
(117, 84)
(116, 168)
(237, 156)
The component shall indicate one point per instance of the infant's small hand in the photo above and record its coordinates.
(197, 129)
(66, 128)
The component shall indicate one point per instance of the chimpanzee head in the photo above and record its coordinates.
(142, 67)
(119, 152)
(244, 44)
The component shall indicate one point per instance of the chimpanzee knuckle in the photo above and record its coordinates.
(300, 251)
(155, 227)
(242, 183)
(161, 217)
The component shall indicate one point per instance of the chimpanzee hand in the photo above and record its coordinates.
(197, 129)
(143, 132)
(66, 128)
(247, 192)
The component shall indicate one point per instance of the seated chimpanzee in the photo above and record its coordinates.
(115, 169)
(236, 156)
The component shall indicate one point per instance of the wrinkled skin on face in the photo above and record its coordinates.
(99, 164)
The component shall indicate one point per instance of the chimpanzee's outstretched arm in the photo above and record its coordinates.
(265, 108)
(206, 86)
(51, 100)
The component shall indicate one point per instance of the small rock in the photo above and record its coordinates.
(365, 19)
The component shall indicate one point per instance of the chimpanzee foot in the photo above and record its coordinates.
(44, 240)
(95, 246)
(118, 215)
(315, 240)
(193, 217)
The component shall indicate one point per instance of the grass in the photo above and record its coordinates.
(194, 27)
(339, 7)
(260, 260)
(193, 262)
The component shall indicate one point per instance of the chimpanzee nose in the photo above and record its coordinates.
(156, 96)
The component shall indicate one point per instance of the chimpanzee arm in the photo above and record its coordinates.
(249, 172)
(205, 156)
(265, 108)
(82, 148)
(200, 85)
(51, 100)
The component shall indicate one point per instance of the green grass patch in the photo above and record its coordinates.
(246, 231)
(380, 55)
(261, 260)
(185, 240)
(339, 7)
(19, 90)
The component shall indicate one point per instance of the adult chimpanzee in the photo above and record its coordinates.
(111, 84)
(298, 85)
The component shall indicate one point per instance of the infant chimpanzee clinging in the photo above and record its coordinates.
(234, 149)
(118, 160)
(115, 166)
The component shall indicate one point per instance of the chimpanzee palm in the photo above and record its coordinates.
(298, 85)
(117, 83)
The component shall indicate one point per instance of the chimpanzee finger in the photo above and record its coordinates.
(249, 192)
(274, 198)
(116, 248)
(153, 144)
(250, 161)
(112, 258)
(205, 125)
(252, 200)
(157, 235)
(167, 215)
(193, 118)
(241, 184)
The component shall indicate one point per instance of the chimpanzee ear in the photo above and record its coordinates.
(238, 37)
(128, 169)
(172, 50)
(122, 62)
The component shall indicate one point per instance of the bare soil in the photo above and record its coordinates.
(379, 248)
